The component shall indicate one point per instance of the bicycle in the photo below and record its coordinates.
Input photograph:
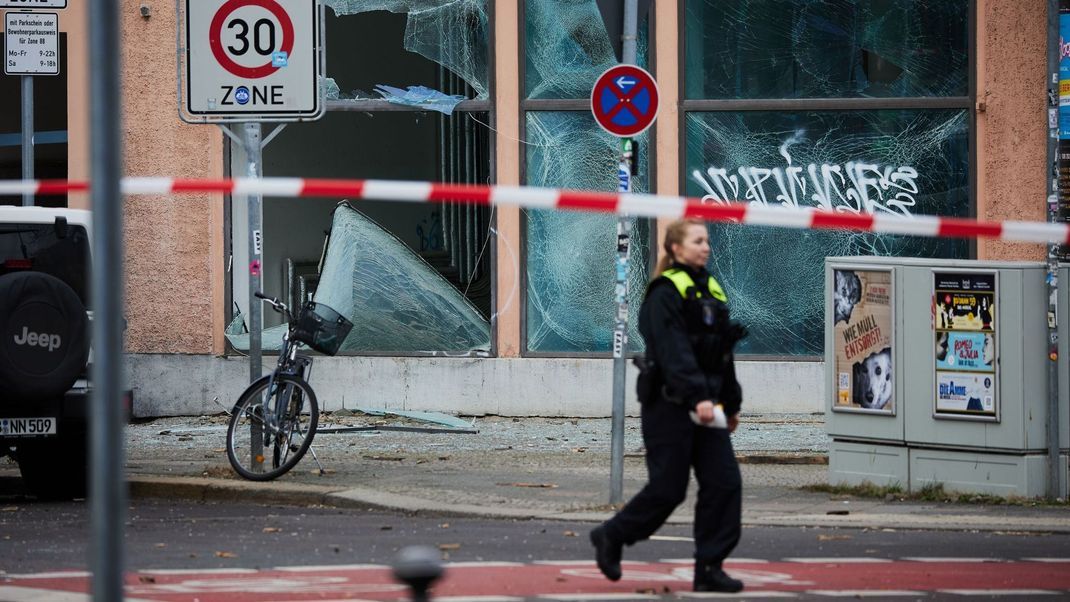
(278, 413)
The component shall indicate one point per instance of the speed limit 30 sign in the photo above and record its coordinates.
(252, 60)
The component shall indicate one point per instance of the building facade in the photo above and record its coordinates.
(910, 107)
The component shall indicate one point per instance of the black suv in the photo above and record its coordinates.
(44, 346)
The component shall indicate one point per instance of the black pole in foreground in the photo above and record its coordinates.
(107, 496)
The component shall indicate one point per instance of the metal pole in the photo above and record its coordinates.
(1059, 160)
(27, 136)
(620, 331)
(253, 152)
(107, 498)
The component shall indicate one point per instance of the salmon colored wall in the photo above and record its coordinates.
(1011, 119)
(174, 258)
(507, 164)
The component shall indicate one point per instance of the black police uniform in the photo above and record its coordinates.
(690, 343)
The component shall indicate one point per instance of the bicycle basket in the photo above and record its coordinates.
(321, 328)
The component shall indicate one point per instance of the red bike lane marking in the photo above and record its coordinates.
(377, 583)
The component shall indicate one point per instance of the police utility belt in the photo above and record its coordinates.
(712, 346)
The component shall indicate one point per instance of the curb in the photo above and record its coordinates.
(204, 489)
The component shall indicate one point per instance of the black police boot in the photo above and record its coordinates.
(710, 577)
(607, 552)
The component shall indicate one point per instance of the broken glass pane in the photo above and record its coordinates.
(361, 42)
(568, 47)
(571, 255)
(902, 162)
(826, 48)
(396, 300)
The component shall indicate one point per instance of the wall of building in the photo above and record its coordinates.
(174, 244)
(1011, 113)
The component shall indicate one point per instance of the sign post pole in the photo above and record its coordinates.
(624, 101)
(27, 136)
(248, 62)
(31, 41)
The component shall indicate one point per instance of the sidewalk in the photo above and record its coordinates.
(535, 468)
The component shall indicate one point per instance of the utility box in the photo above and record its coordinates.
(937, 374)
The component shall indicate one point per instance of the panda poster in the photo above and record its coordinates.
(965, 350)
(862, 335)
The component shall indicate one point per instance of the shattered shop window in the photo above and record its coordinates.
(898, 162)
(826, 48)
(414, 278)
(570, 255)
(567, 45)
(406, 51)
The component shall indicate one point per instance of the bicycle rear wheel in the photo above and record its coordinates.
(259, 451)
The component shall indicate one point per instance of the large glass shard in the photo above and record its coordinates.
(900, 162)
(571, 256)
(826, 48)
(568, 47)
(453, 34)
(396, 300)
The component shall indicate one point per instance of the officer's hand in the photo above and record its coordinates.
(733, 422)
(704, 409)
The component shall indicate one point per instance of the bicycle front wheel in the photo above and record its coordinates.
(262, 449)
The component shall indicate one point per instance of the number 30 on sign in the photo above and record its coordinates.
(252, 60)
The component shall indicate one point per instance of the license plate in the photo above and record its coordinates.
(27, 427)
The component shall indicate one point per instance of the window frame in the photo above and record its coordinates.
(967, 103)
(576, 105)
(373, 106)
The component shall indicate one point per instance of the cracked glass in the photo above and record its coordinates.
(437, 35)
(902, 162)
(571, 255)
(568, 47)
(826, 48)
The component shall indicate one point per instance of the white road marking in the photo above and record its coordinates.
(478, 599)
(199, 571)
(863, 593)
(11, 593)
(749, 595)
(486, 564)
(950, 559)
(670, 538)
(836, 560)
(582, 597)
(51, 575)
(1046, 559)
(583, 562)
(333, 567)
(999, 592)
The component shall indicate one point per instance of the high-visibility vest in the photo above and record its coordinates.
(685, 285)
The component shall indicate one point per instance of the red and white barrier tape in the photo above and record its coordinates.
(645, 205)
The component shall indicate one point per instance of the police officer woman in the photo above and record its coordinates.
(690, 404)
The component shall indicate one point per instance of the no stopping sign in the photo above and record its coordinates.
(252, 60)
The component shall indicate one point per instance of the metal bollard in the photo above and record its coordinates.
(418, 567)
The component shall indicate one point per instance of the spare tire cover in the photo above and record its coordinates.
(44, 338)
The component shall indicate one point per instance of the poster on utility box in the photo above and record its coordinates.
(965, 339)
(862, 338)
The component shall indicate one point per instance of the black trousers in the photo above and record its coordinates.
(673, 445)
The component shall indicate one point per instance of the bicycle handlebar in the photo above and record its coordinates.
(277, 305)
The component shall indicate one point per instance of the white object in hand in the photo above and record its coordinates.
(720, 421)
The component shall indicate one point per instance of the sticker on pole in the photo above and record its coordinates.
(252, 60)
(624, 100)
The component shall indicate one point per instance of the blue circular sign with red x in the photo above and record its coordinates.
(624, 100)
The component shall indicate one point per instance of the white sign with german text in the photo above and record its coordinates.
(31, 44)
